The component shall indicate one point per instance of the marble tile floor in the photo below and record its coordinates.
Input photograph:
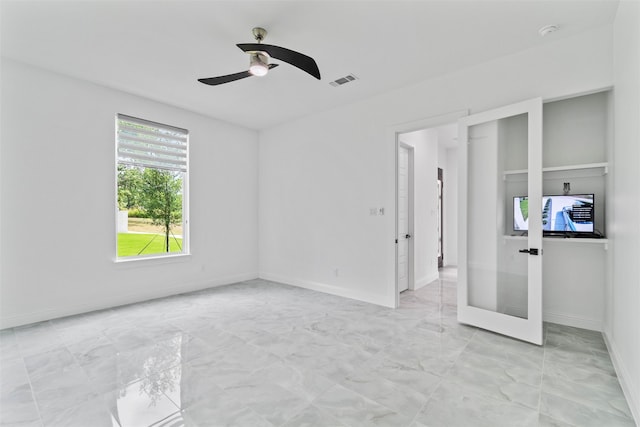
(259, 353)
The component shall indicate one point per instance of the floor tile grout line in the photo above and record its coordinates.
(98, 395)
(426, 402)
(442, 377)
(485, 396)
(33, 394)
(544, 357)
(26, 370)
(577, 402)
(545, 348)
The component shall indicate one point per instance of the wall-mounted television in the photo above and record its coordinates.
(560, 214)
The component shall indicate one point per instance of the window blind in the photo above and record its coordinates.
(148, 144)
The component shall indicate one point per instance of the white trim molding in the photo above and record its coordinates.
(381, 300)
(119, 300)
(629, 387)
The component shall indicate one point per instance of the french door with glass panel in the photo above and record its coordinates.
(500, 260)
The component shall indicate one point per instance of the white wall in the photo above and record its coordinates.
(623, 316)
(451, 208)
(57, 188)
(573, 290)
(425, 232)
(317, 182)
(319, 175)
(442, 151)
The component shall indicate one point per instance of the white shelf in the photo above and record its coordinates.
(564, 240)
(604, 166)
(516, 172)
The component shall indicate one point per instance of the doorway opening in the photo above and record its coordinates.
(426, 235)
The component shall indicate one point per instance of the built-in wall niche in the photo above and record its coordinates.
(575, 131)
(574, 152)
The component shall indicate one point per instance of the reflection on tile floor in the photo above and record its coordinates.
(259, 353)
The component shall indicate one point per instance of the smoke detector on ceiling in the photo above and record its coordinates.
(547, 29)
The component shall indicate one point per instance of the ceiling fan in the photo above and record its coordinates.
(259, 60)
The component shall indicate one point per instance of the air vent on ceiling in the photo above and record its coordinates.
(343, 80)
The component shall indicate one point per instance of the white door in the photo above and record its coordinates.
(500, 274)
(403, 236)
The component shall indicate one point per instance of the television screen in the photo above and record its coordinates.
(570, 213)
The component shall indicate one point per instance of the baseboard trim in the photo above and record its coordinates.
(631, 393)
(576, 322)
(129, 298)
(330, 289)
(424, 281)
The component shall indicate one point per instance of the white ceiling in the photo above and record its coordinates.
(157, 49)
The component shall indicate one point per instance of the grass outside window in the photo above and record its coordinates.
(138, 244)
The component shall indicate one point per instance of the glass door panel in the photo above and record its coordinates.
(500, 274)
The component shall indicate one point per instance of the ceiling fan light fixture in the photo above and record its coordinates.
(259, 65)
(259, 55)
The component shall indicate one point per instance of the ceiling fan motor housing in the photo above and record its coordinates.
(259, 64)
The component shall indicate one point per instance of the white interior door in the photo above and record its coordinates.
(500, 275)
(403, 252)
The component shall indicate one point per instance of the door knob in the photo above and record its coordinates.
(407, 236)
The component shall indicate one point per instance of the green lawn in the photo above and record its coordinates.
(524, 207)
(131, 244)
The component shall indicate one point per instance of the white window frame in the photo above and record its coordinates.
(179, 162)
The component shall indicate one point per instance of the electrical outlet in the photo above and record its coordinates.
(373, 211)
(381, 211)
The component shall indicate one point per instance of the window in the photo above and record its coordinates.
(152, 198)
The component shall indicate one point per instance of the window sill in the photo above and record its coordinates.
(151, 260)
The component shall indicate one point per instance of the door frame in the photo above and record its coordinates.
(529, 329)
(441, 214)
(393, 133)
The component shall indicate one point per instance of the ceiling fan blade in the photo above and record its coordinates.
(297, 59)
(213, 81)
